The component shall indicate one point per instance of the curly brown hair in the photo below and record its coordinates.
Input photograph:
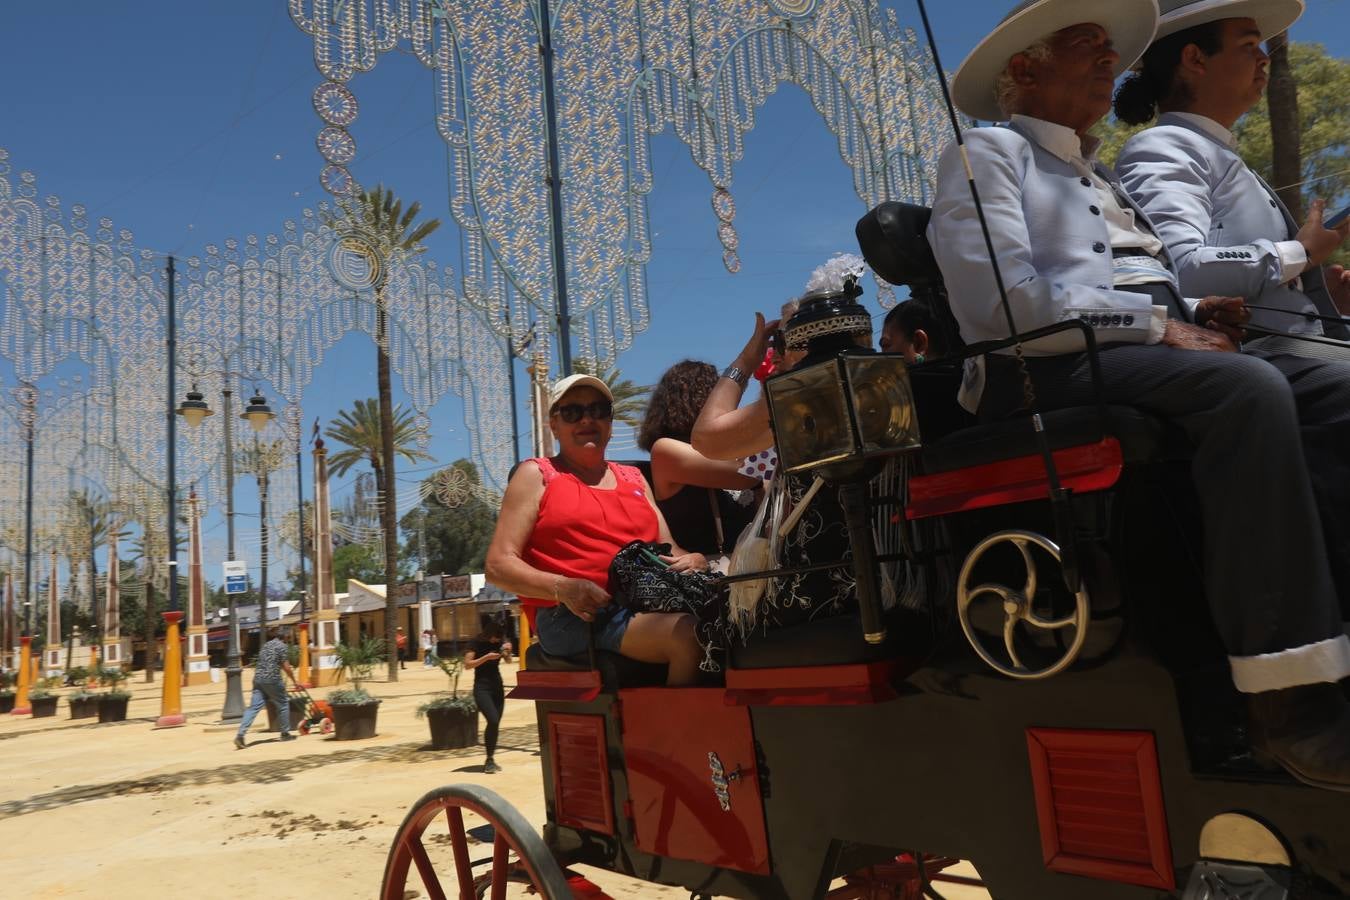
(676, 402)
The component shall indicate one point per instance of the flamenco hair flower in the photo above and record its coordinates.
(830, 275)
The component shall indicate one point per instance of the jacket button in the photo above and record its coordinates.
(1085, 182)
(1098, 247)
(1094, 210)
(1274, 205)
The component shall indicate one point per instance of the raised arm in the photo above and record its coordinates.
(725, 429)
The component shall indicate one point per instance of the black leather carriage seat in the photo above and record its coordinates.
(616, 670)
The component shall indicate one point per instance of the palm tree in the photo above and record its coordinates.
(91, 523)
(360, 429)
(630, 399)
(260, 460)
(380, 215)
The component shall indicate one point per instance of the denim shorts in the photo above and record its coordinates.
(561, 633)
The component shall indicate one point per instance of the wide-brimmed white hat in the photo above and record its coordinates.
(1129, 24)
(1272, 16)
(563, 385)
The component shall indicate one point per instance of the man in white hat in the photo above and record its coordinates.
(1228, 231)
(1070, 245)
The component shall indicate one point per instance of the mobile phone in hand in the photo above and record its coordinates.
(1337, 218)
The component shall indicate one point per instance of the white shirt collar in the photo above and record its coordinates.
(1060, 140)
(1209, 127)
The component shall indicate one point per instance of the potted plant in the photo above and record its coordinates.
(43, 697)
(84, 703)
(75, 675)
(354, 710)
(112, 706)
(453, 718)
(7, 679)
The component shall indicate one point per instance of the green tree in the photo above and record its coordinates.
(456, 537)
(359, 561)
(630, 398)
(1323, 122)
(90, 524)
(380, 215)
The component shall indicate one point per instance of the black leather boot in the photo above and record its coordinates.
(1306, 729)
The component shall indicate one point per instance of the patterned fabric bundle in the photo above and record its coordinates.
(641, 582)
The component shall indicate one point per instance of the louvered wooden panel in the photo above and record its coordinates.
(581, 789)
(1100, 806)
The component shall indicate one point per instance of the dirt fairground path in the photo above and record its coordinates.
(125, 811)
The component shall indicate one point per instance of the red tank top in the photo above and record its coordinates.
(580, 528)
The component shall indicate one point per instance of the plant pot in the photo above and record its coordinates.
(354, 721)
(452, 727)
(297, 714)
(112, 709)
(83, 707)
(6, 702)
(43, 706)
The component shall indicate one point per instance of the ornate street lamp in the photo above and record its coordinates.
(194, 408)
(257, 413)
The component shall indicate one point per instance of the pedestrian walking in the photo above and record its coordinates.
(401, 642)
(489, 648)
(428, 648)
(268, 685)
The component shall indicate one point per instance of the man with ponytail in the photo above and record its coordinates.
(1228, 231)
(1069, 244)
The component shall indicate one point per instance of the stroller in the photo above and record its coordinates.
(317, 712)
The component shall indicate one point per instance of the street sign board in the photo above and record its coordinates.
(236, 576)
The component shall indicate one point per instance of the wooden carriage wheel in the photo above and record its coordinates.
(519, 856)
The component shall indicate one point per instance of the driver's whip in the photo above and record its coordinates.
(1059, 497)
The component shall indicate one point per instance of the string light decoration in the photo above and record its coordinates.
(623, 70)
(81, 296)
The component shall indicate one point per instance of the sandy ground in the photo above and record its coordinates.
(127, 811)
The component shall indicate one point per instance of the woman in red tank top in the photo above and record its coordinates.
(563, 519)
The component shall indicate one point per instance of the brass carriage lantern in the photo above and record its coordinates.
(257, 413)
(844, 406)
(194, 409)
(838, 414)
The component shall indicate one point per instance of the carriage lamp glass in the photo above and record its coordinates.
(258, 413)
(194, 408)
(852, 408)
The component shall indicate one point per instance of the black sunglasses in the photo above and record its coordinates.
(600, 411)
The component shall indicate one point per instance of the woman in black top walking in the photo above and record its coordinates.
(487, 651)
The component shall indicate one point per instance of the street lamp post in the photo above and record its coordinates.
(258, 414)
(171, 704)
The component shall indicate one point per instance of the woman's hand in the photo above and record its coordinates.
(753, 353)
(584, 598)
(688, 562)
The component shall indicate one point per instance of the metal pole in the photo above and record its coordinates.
(555, 189)
(262, 555)
(30, 415)
(300, 525)
(233, 710)
(515, 413)
(170, 454)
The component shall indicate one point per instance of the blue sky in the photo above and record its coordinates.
(191, 122)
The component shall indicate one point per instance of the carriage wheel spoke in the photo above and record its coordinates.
(426, 869)
(459, 842)
(500, 849)
(1009, 624)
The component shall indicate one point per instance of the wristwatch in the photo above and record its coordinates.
(736, 375)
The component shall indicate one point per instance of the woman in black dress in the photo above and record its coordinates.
(692, 490)
(489, 648)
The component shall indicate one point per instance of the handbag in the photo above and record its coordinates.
(754, 553)
(640, 582)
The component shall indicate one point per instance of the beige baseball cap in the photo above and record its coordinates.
(563, 385)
